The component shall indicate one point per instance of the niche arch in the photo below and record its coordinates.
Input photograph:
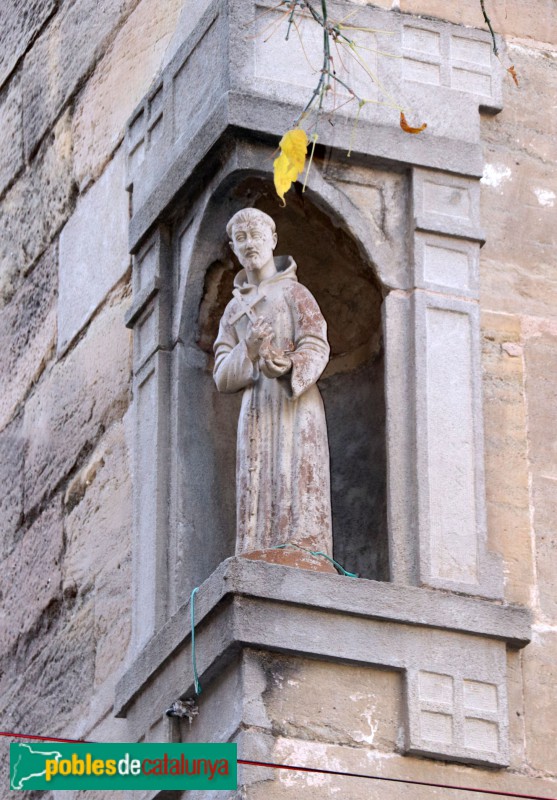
(338, 270)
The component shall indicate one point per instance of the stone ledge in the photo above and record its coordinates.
(266, 593)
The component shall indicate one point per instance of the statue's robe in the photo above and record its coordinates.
(282, 466)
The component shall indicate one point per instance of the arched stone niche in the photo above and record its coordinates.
(365, 236)
(332, 266)
(401, 220)
(339, 274)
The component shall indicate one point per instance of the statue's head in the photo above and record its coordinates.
(252, 237)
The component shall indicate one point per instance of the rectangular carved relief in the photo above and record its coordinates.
(457, 61)
(450, 446)
(447, 204)
(449, 429)
(449, 264)
(150, 488)
(298, 61)
(442, 719)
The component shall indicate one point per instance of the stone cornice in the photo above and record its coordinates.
(264, 589)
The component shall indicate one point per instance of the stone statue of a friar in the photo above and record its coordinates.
(272, 345)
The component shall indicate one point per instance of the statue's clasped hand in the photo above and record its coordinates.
(277, 363)
(273, 361)
(259, 331)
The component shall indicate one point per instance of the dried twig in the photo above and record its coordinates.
(492, 32)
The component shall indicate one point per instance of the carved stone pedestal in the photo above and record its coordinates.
(292, 557)
(449, 653)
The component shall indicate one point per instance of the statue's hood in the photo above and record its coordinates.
(286, 270)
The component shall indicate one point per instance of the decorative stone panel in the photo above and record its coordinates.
(446, 203)
(446, 264)
(437, 55)
(463, 718)
(449, 447)
(450, 493)
(150, 317)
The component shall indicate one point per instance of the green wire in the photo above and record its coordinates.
(337, 566)
(196, 683)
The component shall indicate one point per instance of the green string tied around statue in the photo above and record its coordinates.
(340, 569)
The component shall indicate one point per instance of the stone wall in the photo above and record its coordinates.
(71, 73)
(519, 301)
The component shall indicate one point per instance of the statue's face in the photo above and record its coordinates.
(253, 244)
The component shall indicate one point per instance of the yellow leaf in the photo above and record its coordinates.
(284, 175)
(294, 145)
(291, 161)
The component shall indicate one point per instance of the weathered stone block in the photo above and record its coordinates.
(98, 545)
(382, 199)
(540, 353)
(464, 713)
(517, 263)
(28, 334)
(31, 577)
(340, 704)
(446, 264)
(93, 252)
(545, 523)
(81, 396)
(446, 203)
(12, 445)
(292, 785)
(191, 13)
(449, 434)
(540, 701)
(119, 82)
(62, 57)
(98, 507)
(230, 703)
(113, 616)
(20, 22)
(99, 725)
(517, 130)
(35, 208)
(516, 709)
(151, 496)
(529, 19)
(11, 155)
(506, 452)
(49, 683)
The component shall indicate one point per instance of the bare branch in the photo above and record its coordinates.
(492, 32)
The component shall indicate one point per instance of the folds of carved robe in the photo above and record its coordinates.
(282, 466)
